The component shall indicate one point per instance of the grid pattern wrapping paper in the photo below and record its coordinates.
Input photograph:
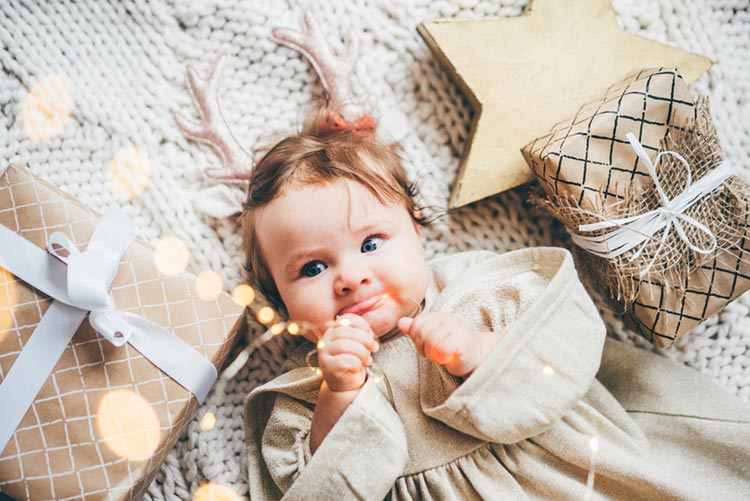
(106, 417)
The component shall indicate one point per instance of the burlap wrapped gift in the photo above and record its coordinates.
(590, 173)
(106, 418)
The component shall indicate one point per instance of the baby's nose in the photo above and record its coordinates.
(351, 278)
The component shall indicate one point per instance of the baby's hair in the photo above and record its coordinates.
(322, 153)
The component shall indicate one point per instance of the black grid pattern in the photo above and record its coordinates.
(590, 160)
(590, 154)
(661, 314)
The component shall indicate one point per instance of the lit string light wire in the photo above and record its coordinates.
(296, 328)
(594, 446)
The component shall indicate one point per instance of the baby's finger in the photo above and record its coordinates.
(456, 357)
(344, 363)
(352, 320)
(423, 325)
(404, 324)
(365, 338)
(344, 346)
(427, 323)
(435, 346)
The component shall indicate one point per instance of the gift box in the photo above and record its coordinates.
(110, 407)
(639, 180)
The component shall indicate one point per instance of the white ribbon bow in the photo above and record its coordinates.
(79, 288)
(90, 273)
(631, 232)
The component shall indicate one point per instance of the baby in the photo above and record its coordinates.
(332, 232)
(494, 388)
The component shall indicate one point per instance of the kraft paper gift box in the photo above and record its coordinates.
(106, 417)
(673, 245)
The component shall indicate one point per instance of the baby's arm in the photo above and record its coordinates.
(281, 464)
(546, 359)
(444, 338)
(343, 353)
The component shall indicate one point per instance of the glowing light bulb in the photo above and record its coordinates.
(345, 322)
(208, 285)
(171, 256)
(47, 106)
(128, 425)
(266, 315)
(594, 444)
(548, 370)
(208, 421)
(243, 294)
(293, 328)
(321, 344)
(277, 329)
(128, 173)
(215, 492)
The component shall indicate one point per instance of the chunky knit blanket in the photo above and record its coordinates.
(125, 62)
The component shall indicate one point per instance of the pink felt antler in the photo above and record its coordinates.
(213, 129)
(335, 74)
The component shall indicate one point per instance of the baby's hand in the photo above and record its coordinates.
(344, 352)
(444, 339)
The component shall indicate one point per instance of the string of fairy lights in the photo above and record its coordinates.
(124, 419)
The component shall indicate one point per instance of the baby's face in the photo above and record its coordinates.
(336, 249)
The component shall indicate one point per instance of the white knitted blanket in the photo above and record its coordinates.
(126, 64)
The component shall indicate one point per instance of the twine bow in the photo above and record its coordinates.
(634, 231)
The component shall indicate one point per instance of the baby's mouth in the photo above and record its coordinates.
(362, 307)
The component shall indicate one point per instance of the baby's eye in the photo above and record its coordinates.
(372, 243)
(313, 268)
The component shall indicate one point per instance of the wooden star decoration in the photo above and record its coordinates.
(524, 74)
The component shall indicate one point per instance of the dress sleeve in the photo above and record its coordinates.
(545, 362)
(281, 464)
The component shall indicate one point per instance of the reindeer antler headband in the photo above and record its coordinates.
(334, 73)
(213, 129)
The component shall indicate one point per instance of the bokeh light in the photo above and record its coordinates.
(215, 492)
(243, 294)
(128, 425)
(128, 173)
(7, 300)
(208, 285)
(548, 370)
(594, 444)
(277, 329)
(208, 421)
(171, 255)
(47, 107)
(293, 328)
(266, 315)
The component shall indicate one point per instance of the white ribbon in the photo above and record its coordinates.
(78, 282)
(631, 232)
